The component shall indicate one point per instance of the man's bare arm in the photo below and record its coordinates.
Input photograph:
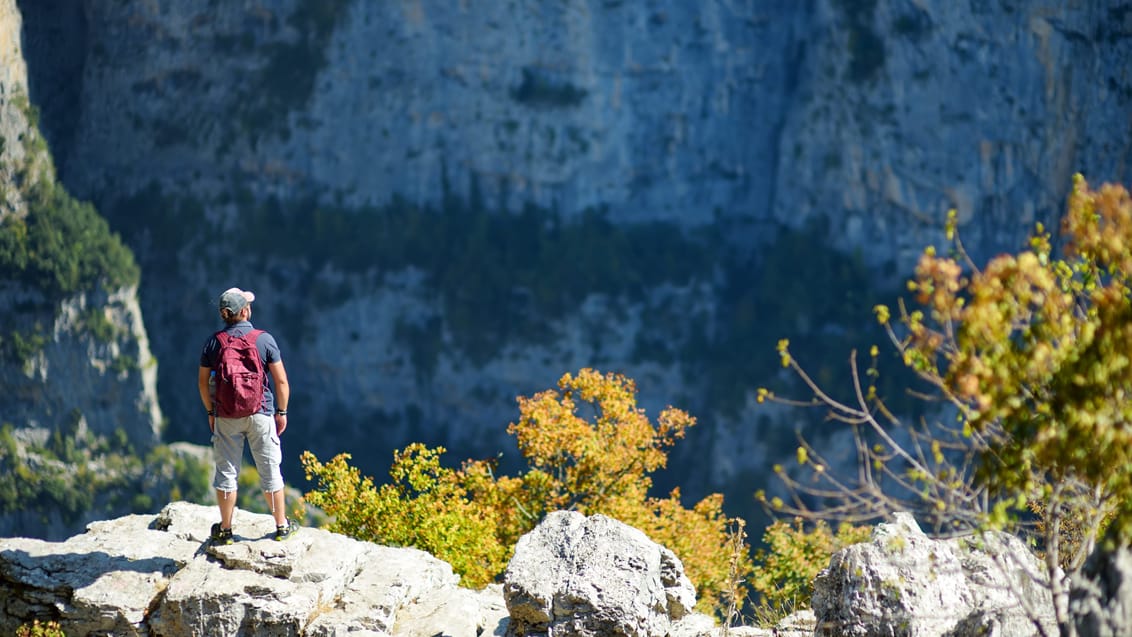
(202, 385)
(282, 387)
(282, 394)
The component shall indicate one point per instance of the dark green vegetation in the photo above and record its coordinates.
(285, 82)
(73, 473)
(866, 47)
(60, 248)
(539, 90)
(505, 277)
(502, 276)
(63, 247)
(797, 289)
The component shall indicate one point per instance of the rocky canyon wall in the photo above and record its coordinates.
(228, 140)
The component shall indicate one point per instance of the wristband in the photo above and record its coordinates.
(280, 412)
(212, 412)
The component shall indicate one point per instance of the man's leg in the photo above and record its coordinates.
(267, 454)
(227, 502)
(227, 449)
(276, 503)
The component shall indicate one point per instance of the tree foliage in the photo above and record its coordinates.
(1035, 352)
(1028, 359)
(62, 246)
(588, 447)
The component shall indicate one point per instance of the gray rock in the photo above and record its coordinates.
(1100, 597)
(798, 624)
(144, 574)
(578, 575)
(902, 582)
(572, 575)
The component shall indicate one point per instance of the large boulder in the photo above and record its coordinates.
(904, 583)
(146, 574)
(579, 575)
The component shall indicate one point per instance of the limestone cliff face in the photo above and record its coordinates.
(656, 109)
(84, 363)
(13, 120)
(877, 114)
(98, 382)
(907, 109)
(872, 116)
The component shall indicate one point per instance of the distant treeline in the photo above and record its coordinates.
(503, 277)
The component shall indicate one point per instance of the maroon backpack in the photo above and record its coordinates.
(239, 375)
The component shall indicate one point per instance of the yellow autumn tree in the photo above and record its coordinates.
(1030, 360)
(588, 447)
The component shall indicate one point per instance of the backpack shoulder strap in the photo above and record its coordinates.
(222, 338)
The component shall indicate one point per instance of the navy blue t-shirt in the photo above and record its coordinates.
(268, 353)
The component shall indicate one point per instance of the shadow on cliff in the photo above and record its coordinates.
(93, 566)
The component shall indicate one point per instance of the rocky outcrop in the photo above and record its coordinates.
(158, 575)
(14, 103)
(902, 582)
(578, 575)
(83, 380)
(572, 575)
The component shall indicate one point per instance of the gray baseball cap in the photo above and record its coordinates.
(235, 299)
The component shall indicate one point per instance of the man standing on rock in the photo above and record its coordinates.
(241, 406)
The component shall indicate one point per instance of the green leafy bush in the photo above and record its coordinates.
(794, 554)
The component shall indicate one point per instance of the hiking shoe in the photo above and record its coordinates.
(220, 536)
(285, 532)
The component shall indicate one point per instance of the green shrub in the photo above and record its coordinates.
(21, 346)
(124, 364)
(793, 556)
(192, 478)
(93, 320)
